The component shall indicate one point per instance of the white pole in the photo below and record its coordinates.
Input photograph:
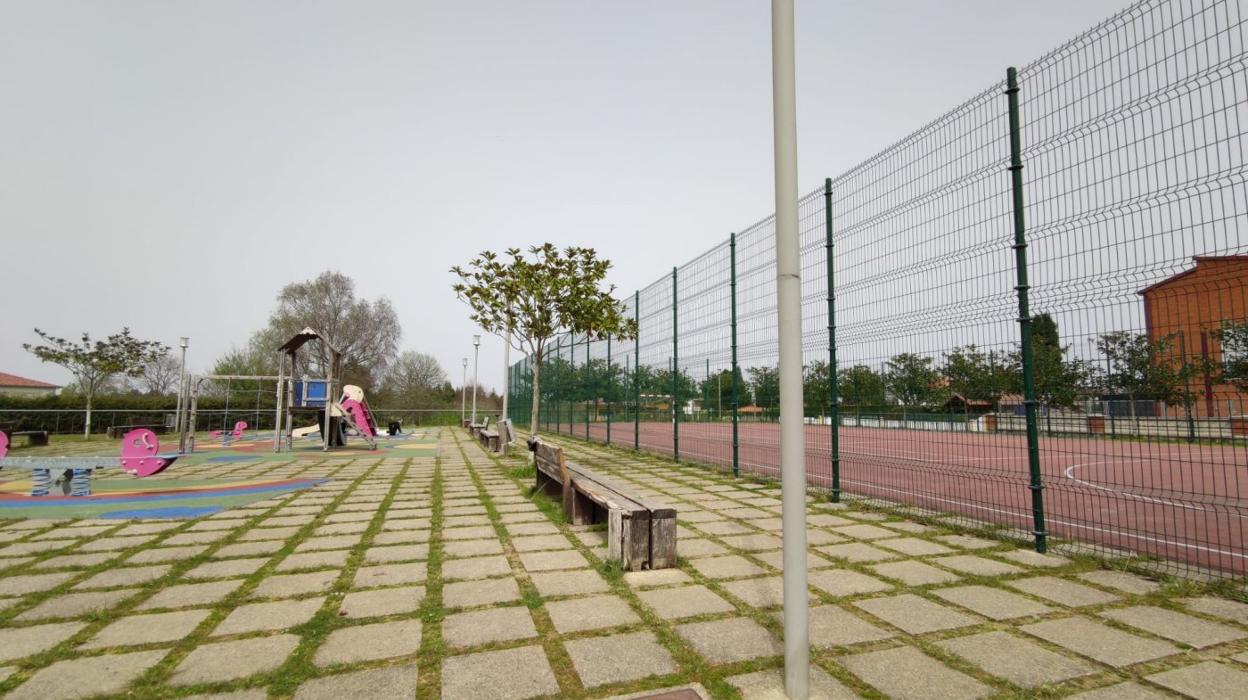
(177, 423)
(789, 292)
(463, 393)
(506, 371)
(476, 353)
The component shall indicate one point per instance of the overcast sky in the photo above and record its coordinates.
(168, 166)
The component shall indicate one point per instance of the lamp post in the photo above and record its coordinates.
(506, 371)
(463, 393)
(476, 352)
(183, 342)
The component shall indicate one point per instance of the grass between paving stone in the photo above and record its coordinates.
(151, 684)
(432, 612)
(691, 666)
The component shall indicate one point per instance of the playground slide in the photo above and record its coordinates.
(304, 432)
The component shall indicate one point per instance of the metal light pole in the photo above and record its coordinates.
(789, 293)
(184, 342)
(476, 352)
(463, 393)
(506, 371)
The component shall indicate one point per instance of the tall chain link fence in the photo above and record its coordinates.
(1065, 359)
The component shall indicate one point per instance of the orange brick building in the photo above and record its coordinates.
(1191, 307)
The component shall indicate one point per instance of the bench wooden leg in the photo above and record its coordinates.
(662, 543)
(628, 540)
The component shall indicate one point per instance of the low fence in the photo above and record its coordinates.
(73, 421)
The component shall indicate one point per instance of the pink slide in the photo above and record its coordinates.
(361, 416)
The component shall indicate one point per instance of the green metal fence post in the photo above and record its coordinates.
(675, 373)
(706, 391)
(834, 408)
(637, 371)
(736, 399)
(610, 389)
(1024, 312)
(589, 386)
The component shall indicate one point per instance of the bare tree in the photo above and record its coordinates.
(160, 377)
(366, 332)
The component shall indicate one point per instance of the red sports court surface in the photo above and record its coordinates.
(1184, 502)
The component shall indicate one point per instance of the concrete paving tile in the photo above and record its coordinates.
(1028, 557)
(1218, 607)
(857, 552)
(913, 546)
(475, 567)
(968, 542)
(336, 558)
(550, 561)
(153, 628)
(1062, 591)
(765, 592)
(124, 576)
(402, 537)
(108, 544)
(1099, 642)
(1121, 580)
(470, 629)
(1015, 659)
(465, 594)
(684, 601)
(183, 538)
(914, 573)
(404, 552)
(185, 595)
(723, 527)
(468, 533)
(75, 604)
(1120, 691)
(977, 566)
(87, 677)
(833, 626)
(1175, 626)
(20, 642)
(288, 585)
(276, 615)
(1209, 680)
(619, 658)
(389, 575)
(916, 615)
(268, 533)
(227, 568)
(240, 658)
(371, 684)
(905, 673)
(993, 603)
(843, 582)
(21, 585)
(654, 577)
(472, 548)
(731, 566)
(751, 543)
(382, 640)
(699, 547)
(536, 543)
(726, 641)
(378, 603)
(510, 674)
(827, 520)
(769, 685)
(591, 613)
(821, 537)
(75, 561)
(864, 532)
(249, 549)
(561, 583)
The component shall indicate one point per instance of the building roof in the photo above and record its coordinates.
(1198, 259)
(12, 380)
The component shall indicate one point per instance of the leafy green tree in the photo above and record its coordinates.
(1058, 381)
(860, 386)
(815, 388)
(528, 299)
(718, 391)
(1141, 368)
(94, 363)
(912, 380)
(765, 387)
(980, 375)
(413, 379)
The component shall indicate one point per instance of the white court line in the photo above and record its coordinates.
(1027, 515)
(1070, 475)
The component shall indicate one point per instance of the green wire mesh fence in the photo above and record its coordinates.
(1121, 428)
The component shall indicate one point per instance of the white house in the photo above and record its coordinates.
(13, 385)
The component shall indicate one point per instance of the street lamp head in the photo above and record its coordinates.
(184, 342)
(465, 362)
(476, 340)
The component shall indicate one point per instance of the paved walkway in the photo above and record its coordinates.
(439, 578)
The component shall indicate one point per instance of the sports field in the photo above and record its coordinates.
(1179, 501)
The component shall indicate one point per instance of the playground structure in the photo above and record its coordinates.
(140, 456)
(295, 394)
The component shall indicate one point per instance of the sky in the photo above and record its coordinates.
(169, 166)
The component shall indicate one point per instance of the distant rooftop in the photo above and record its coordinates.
(12, 380)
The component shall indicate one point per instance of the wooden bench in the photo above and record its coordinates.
(474, 429)
(33, 437)
(641, 534)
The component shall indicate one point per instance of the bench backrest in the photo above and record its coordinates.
(505, 432)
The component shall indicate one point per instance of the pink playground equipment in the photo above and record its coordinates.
(355, 409)
(227, 436)
(140, 456)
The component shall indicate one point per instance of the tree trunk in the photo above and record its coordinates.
(86, 433)
(537, 396)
